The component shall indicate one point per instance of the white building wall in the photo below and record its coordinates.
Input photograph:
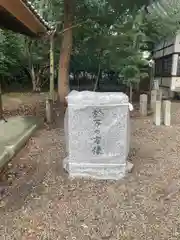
(164, 52)
(177, 44)
(171, 46)
(174, 64)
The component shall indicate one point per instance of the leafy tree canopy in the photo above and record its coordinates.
(111, 34)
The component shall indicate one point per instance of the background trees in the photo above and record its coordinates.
(93, 38)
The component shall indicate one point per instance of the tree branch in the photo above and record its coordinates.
(73, 26)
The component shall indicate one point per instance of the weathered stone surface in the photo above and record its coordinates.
(13, 135)
(167, 112)
(49, 110)
(153, 99)
(157, 113)
(129, 167)
(143, 104)
(159, 95)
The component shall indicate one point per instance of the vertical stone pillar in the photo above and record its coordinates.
(167, 112)
(159, 95)
(153, 99)
(49, 110)
(143, 104)
(157, 113)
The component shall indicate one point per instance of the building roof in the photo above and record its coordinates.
(32, 8)
(21, 16)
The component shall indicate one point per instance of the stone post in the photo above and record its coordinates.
(153, 99)
(157, 113)
(167, 112)
(143, 104)
(49, 110)
(159, 95)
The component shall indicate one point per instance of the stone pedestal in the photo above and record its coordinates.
(143, 104)
(167, 112)
(97, 135)
(157, 113)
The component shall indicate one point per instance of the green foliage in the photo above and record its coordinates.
(111, 34)
(130, 71)
(163, 19)
(11, 46)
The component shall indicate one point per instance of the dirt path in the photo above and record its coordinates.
(12, 101)
(42, 203)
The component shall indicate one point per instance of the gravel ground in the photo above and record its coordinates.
(40, 202)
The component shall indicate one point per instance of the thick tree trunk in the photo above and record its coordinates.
(66, 49)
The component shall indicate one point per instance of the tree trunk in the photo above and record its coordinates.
(51, 87)
(1, 105)
(33, 78)
(66, 49)
(130, 93)
(36, 80)
(96, 86)
(151, 76)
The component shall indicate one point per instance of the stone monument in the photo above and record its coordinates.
(97, 134)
